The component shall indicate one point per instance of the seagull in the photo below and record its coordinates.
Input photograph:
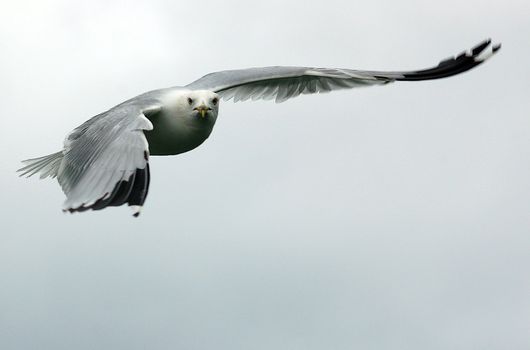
(105, 160)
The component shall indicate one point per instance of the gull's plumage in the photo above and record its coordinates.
(104, 161)
(282, 83)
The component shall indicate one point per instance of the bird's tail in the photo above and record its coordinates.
(46, 166)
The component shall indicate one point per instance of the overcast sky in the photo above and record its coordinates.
(393, 217)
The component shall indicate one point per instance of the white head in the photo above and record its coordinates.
(185, 121)
(200, 104)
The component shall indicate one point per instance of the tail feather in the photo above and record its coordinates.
(47, 166)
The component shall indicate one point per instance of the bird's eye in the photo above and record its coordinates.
(190, 101)
(215, 100)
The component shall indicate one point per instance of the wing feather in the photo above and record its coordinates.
(105, 160)
(283, 83)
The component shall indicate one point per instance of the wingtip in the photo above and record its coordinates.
(136, 210)
(484, 50)
(480, 47)
(496, 47)
(460, 63)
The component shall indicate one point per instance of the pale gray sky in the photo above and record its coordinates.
(393, 217)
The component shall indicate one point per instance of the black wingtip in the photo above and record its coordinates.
(496, 47)
(480, 47)
(132, 191)
(454, 65)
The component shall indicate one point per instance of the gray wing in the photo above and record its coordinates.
(105, 160)
(283, 83)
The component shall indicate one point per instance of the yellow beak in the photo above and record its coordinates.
(202, 110)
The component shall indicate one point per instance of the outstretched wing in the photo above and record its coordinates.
(105, 159)
(283, 83)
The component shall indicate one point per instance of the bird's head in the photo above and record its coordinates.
(201, 104)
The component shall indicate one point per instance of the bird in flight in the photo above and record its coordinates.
(105, 161)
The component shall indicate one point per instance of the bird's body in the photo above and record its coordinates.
(104, 161)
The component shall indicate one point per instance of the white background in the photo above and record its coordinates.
(392, 217)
